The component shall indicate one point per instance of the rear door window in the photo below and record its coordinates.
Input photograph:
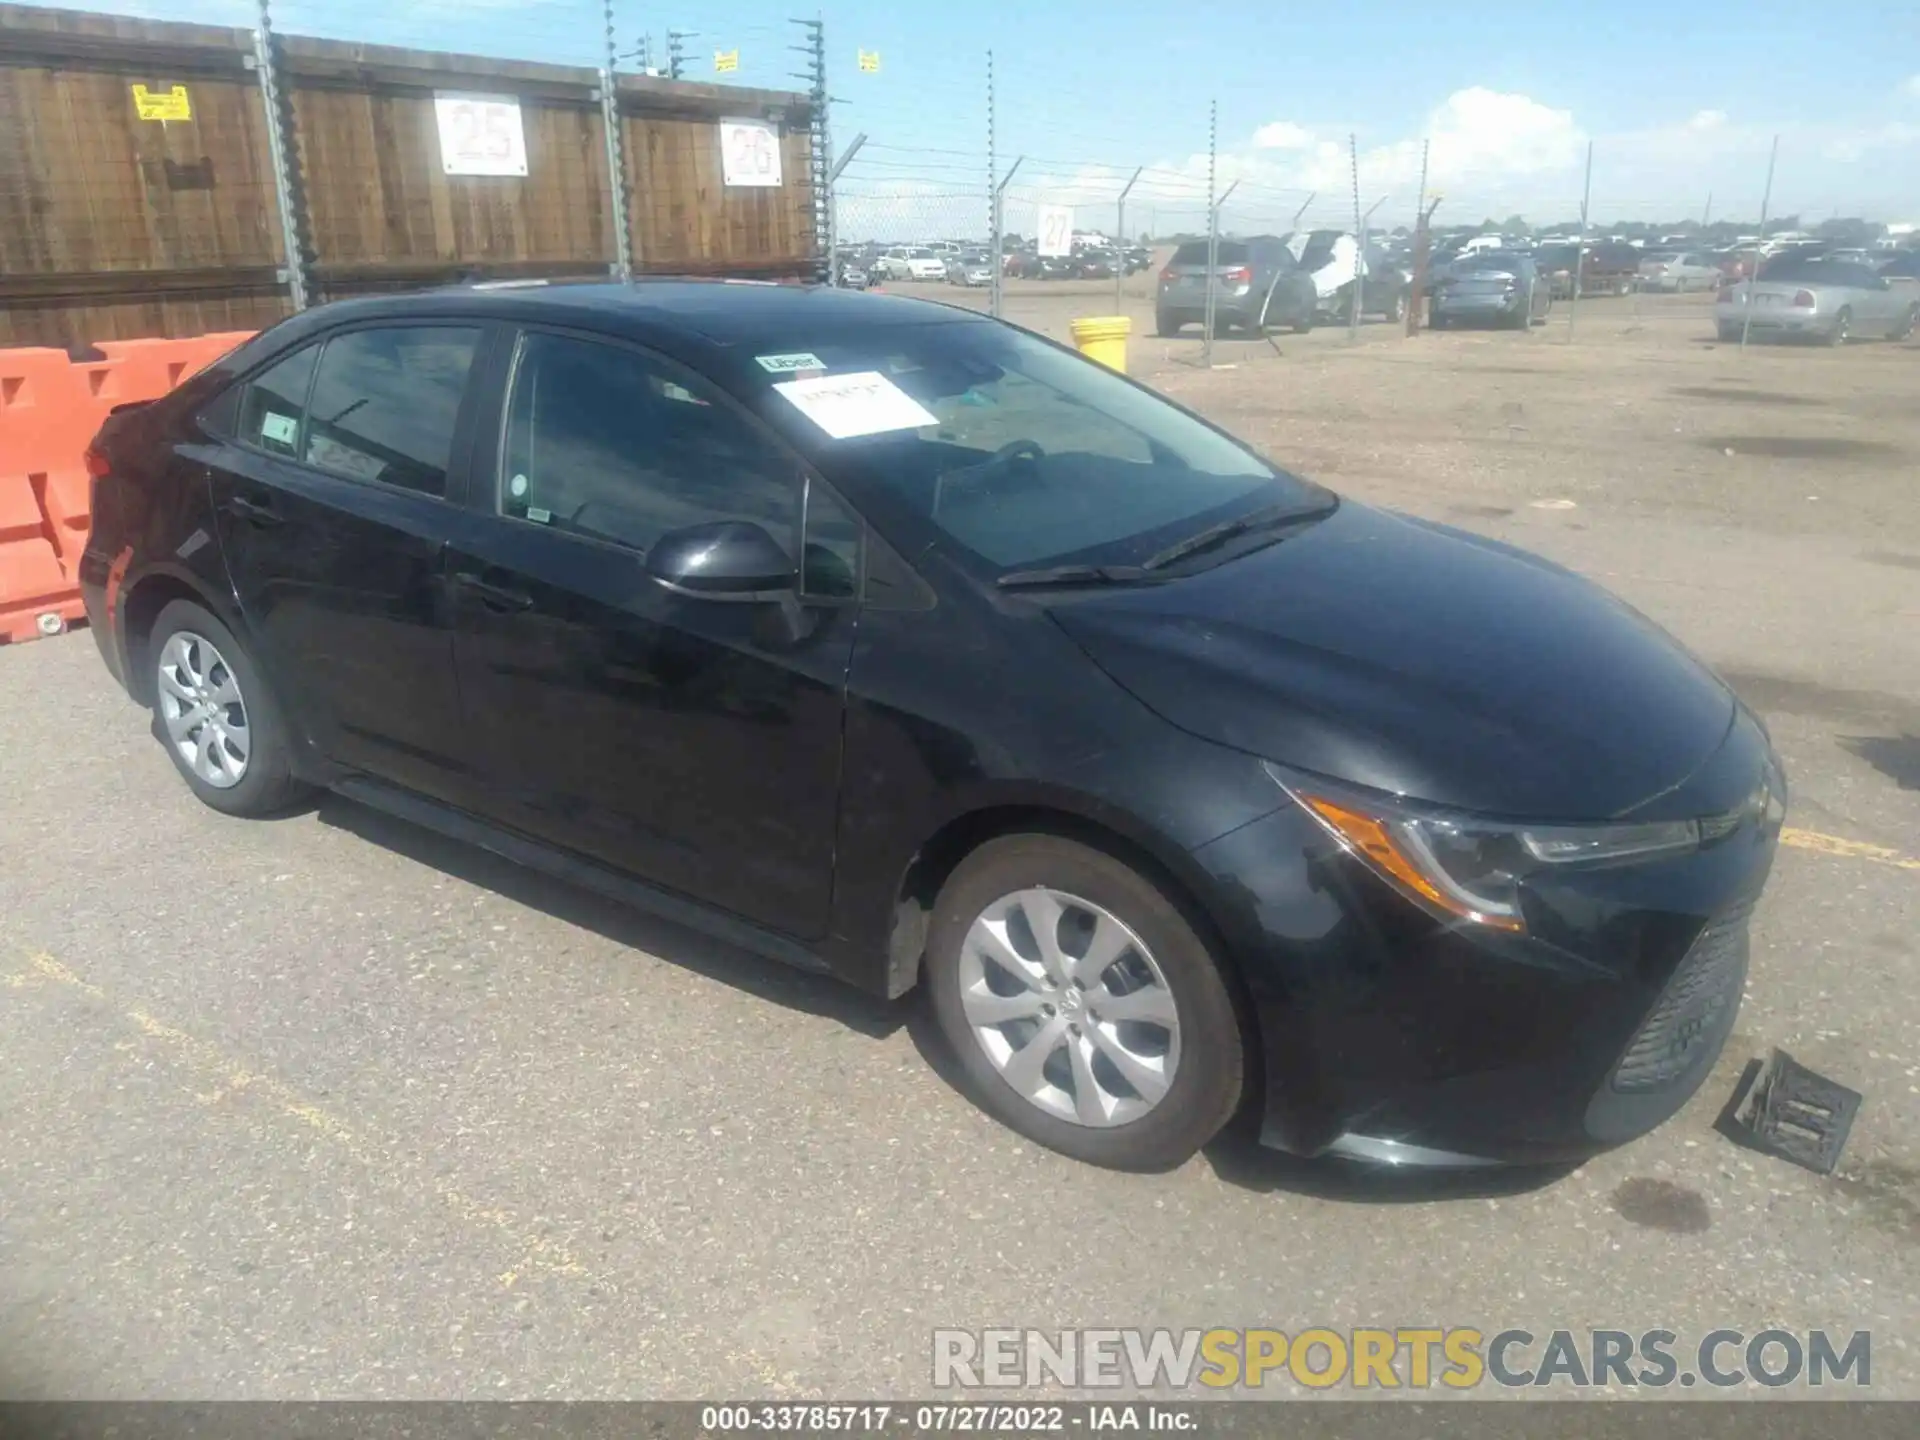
(385, 403)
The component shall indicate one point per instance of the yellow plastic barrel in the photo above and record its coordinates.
(1104, 338)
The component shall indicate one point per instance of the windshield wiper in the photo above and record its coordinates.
(1226, 530)
(1073, 575)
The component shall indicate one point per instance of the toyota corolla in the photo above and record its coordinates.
(897, 643)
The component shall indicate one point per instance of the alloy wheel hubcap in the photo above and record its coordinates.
(1070, 1007)
(202, 709)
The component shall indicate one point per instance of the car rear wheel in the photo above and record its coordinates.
(219, 724)
(1842, 330)
(1396, 309)
(1085, 1011)
(1165, 325)
(1729, 334)
(1906, 325)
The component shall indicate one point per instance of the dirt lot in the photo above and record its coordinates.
(326, 1107)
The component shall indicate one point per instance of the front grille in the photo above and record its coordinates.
(1692, 1010)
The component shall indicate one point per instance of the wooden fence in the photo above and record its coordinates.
(116, 226)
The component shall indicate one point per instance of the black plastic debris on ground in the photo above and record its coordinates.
(1782, 1108)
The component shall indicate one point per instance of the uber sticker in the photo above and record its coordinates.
(278, 428)
(786, 364)
(865, 403)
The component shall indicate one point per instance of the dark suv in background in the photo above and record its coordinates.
(1260, 286)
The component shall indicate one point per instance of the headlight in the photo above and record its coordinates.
(1469, 869)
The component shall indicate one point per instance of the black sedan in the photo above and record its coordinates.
(897, 643)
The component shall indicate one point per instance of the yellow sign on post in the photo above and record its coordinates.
(870, 62)
(725, 60)
(171, 104)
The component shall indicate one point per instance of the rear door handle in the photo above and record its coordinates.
(494, 597)
(253, 512)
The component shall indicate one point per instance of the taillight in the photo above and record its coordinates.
(1167, 276)
(1239, 276)
(96, 462)
(1803, 299)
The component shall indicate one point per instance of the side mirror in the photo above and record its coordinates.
(722, 560)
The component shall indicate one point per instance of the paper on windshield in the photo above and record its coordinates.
(862, 403)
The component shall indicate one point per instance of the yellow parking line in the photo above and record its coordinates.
(1851, 849)
(220, 1077)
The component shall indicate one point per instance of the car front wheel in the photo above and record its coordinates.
(1085, 1011)
(211, 710)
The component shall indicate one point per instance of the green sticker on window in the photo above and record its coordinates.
(280, 429)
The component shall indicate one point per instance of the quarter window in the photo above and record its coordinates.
(385, 402)
(604, 441)
(275, 404)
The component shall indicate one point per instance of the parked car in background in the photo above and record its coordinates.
(850, 275)
(1815, 297)
(1605, 268)
(972, 270)
(1186, 788)
(1501, 287)
(1679, 271)
(925, 264)
(1902, 271)
(1138, 259)
(892, 264)
(1095, 264)
(1259, 286)
(1737, 263)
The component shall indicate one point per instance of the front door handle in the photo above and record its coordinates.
(253, 512)
(494, 597)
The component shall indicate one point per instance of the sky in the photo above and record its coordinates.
(1681, 105)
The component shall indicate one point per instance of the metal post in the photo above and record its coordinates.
(1358, 301)
(1366, 228)
(996, 216)
(995, 258)
(822, 141)
(1213, 235)
(622, 266)
(676, 54)
(1120, 240)
(1580, 250)
(280, 146)
(1419, 250)
(1312, 195)
(1766, 200)
(833, 180)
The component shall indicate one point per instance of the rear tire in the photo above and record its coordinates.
(1906, 325)
(237, 756)
(1066, 1098)
(1165, 325)
(1842, 330)
(1729, 334)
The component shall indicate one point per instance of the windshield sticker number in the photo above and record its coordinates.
(864, 403)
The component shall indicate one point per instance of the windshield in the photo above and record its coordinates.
(1034, 456)
(1558, 256)
(1807, 269)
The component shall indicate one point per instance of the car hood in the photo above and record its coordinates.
(1420, 660)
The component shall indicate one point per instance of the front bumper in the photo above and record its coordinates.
(1391, 1036)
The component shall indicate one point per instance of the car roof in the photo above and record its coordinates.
(681, 317)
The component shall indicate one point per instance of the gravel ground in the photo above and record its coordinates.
(327, 1107)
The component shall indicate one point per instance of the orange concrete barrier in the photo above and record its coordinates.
(50, 408)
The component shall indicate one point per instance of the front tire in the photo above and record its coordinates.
(1083, 1008)
(220, 725)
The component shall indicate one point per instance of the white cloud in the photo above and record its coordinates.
(1282, 135)
(1912, 87)
(1707, 120)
